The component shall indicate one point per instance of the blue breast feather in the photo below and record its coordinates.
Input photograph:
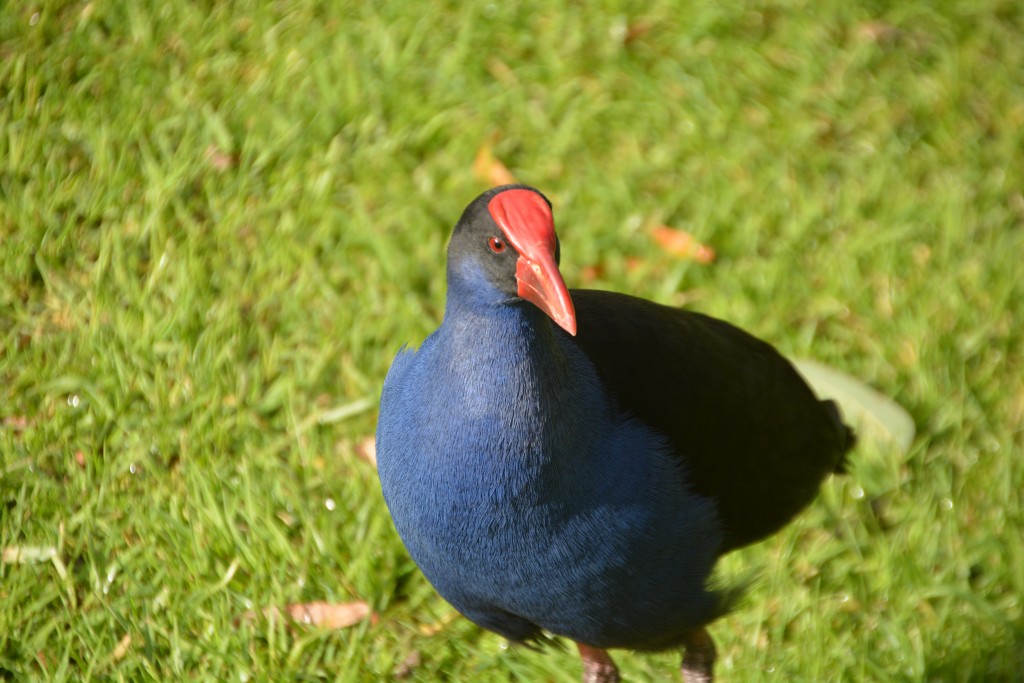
(529, 500)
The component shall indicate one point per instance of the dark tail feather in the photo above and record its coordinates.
(847, 437)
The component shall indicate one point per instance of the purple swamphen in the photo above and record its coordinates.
(576, 461)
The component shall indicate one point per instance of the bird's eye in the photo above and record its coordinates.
(496, 244)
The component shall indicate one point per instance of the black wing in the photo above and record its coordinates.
(752, 434)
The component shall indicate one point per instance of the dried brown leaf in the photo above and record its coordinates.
(637, 30)
(366, 450)
(286, 518)
(219, 159)
(488, 169)
(121, 649)
(502, 72)
(16, 423)
(590, 273)
(877, 32)
(682, 244)
(327, 615)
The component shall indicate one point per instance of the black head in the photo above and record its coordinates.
(508, 232)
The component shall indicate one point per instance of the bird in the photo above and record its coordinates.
(574, 462)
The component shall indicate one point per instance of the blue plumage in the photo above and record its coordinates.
(584, 481)
(527, 500)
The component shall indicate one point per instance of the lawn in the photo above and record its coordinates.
(219, 221)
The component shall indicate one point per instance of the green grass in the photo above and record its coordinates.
(219, 221)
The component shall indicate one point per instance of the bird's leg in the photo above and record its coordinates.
(598, 667)
(699, 658)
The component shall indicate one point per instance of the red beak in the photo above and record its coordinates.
(525, 218)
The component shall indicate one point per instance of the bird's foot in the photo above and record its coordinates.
(598, 666)
(699, 659)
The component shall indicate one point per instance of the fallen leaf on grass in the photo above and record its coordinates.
(366, 450)
(502, 72)
(876, 417)
(121, 649)
(877, 32)
(16, 423)
(328, 615)
(682, 244)
(637, 30)
(590, 273)
(219, 159)
(28, 554)
(488, 169)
